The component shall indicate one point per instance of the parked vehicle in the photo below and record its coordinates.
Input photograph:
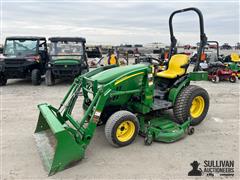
(23, 57)
(67, 59)
(233, 63)
(237, 46)
(128, 100)
(226, 46)
(93, 52)
(217, 71)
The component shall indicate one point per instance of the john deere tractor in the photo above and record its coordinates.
(129, 100)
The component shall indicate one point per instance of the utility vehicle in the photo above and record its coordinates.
(23, 57)
(67, 59)
(93, 52)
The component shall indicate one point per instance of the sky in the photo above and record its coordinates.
(120, 22)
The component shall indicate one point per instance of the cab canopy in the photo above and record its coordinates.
(71, 39)
(26, 38)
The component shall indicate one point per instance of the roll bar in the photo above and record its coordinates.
(203, 37)
(215, 42)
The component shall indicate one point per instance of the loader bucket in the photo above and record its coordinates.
(56, 144)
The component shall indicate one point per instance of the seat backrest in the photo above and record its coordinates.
(176, 62)
(235, 57)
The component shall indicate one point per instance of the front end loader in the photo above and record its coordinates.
(129, 100)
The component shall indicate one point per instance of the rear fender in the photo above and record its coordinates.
(173, 94)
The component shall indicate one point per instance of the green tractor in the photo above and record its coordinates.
(129, 100)
(234, 63)
(67, 59)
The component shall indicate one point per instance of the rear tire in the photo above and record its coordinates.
(121, 128)
(233, 79)
(215, 79)
(49, 78)
(3, 80)
(193, 102)
(36, 77)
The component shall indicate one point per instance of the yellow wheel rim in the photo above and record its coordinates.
(197, 107)
(125, 131)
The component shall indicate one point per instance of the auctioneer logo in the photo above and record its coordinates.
(212, 168)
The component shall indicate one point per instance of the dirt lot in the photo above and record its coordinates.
(217, 138)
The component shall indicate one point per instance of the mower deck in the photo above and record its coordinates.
(163, 129)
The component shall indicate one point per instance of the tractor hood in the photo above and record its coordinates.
(111, 74)
(65, 62)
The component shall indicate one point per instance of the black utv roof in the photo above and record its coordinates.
(73, 39)
(26, 38)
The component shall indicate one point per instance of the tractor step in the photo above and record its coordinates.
(161, 104)
(160, 94)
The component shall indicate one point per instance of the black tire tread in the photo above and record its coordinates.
(49, 79)
(3, 80)
(113, 119)
(180, 109)
(36, 77)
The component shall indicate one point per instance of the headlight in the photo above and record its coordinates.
(49, 65)
(33, 58)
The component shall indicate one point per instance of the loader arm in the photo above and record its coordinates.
(61, 139)
(70, 137)
(59, 124)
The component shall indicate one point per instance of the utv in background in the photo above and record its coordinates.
(93, 52)
(23, 57)
(226, 46)
(67, 59)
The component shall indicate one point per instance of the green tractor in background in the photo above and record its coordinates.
(233, 63)
(129, 100)
(67, 59)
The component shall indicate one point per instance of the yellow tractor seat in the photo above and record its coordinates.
(176, 67)
(235, 57)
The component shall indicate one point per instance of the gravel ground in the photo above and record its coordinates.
(217, 138)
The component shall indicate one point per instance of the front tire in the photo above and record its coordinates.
(233, 79)
(3, 80)
(49, 78)
(193, 102)
(121, 128)
(215, 79)
(36, 77)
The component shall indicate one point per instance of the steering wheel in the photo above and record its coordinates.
(155, 59)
